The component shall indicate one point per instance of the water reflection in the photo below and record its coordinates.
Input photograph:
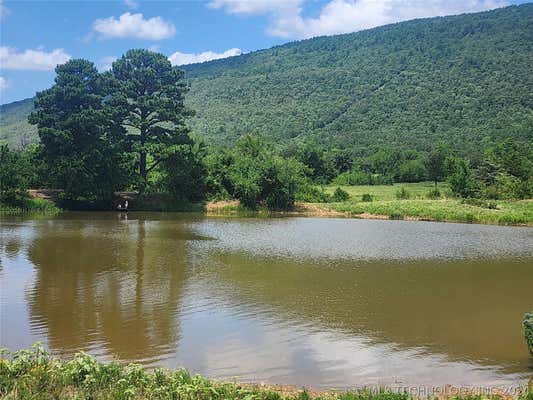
(117, 287)
(301, 301)
(470, 311)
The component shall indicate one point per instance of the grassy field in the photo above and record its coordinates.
(33, 374)
(388, 192)
(385, 204)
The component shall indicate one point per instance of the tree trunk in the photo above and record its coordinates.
(142, 163)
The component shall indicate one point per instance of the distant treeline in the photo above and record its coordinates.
(126, 129)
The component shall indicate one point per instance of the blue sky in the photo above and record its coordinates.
(36, 35)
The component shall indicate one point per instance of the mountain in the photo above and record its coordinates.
(14, 127)
(464, 79)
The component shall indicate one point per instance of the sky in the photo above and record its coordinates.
(37, 35)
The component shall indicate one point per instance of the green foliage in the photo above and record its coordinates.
(434, 194)
(507, 171)
(15, 130)
(461, 178)
(411, 171)
(402, 194)
(358, 177)
(148, 92)
(309, 193)
(464, 80)
(340, 195)
(34, 374)
(367, 198)
(257, 176)
(80, 137)
(185, 172)
(13, 177)
(491, 205)
(528, 330)
(508, 212)
(435, 164)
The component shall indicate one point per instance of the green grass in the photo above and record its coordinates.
(30, 206)
(388, 192)
(33, 374)
(418, 206)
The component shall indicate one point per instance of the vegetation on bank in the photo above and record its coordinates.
(528, 330)
(29, 206)
(449, 210)
(417, 201)
(32, 374)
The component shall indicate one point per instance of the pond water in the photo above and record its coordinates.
(305, 301)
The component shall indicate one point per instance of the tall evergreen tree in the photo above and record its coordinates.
(150, 91)
(80, 135)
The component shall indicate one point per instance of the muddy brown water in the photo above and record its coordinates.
(304, 301)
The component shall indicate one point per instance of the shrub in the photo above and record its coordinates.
(528, 330)
(434, 194)
(367, 198)
(309, 193)
(358, 177)
(340, 195)
(490, 205)
(265, 179)
(402, 194)
(461, 179)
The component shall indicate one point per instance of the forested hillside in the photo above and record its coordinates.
(463, 79)
(466, 79)
(14, 126)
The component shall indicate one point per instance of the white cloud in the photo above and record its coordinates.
(36, 60)
(343, 16)
(131, 4)
(134, 26)
(105, 63)
(184, 58)
(256, 6)
(3, 9)
(3, 83)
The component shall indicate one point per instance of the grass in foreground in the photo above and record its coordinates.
(33, 374)
(417, 206)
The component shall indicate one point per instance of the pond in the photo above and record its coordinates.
(310, 302)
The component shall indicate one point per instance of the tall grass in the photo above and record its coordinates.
(30, 206)
(33, 374)
(508, 212)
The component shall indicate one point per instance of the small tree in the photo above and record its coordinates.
(461, 179)
(435, 164)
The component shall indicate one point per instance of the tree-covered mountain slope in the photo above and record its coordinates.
(465, 79)
(14, 127)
